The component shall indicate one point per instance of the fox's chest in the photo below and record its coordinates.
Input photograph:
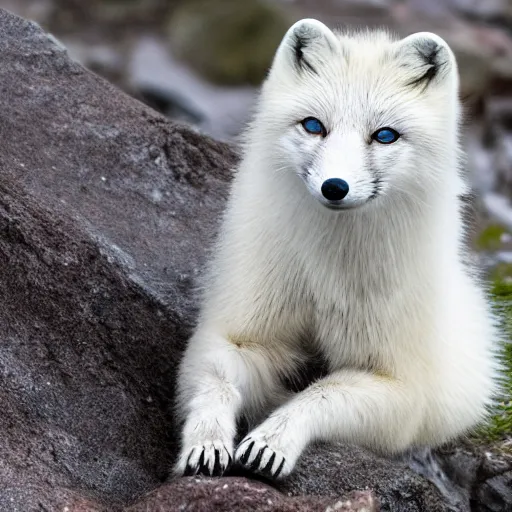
(358, 321)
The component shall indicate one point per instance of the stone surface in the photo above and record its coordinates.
(483, 476)
(398, 487)
(495, 493)
(105, 213)
(230, 494)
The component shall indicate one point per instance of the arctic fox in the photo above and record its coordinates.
(342, 241)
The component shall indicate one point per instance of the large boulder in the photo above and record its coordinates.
(106, 214)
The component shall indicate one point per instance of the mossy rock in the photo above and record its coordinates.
(229, 42)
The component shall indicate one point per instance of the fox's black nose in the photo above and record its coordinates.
(334, 189)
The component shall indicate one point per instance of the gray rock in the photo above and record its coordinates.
(230, 494)
(398, 487)
(482, 477)
(495, 493)
(105, 213)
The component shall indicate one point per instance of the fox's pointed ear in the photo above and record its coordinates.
(305, 46)
(426, 59)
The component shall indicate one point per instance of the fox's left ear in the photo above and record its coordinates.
(305, 46)
(426, 59)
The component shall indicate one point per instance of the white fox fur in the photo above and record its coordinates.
(376, 287)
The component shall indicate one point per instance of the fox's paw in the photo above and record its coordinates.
(270, 450)
(260, 458)
(207, 446)
(211, 458)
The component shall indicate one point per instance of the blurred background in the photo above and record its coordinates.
(201, 61)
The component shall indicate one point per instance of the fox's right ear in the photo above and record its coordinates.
(305, 46)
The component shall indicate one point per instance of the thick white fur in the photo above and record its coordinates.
(378, 289)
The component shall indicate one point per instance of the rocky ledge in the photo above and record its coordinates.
(106, 213)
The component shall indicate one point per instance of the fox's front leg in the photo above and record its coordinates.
(217, 378)
(355, 407)
(210, 386)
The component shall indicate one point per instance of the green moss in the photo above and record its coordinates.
(490, 238)
(499, 426)
(501, 275)
(228, 41)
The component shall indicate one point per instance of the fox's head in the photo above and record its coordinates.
(360, 118)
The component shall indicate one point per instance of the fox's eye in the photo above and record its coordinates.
(313, 126)
(386, 136)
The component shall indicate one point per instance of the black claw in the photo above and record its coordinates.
(217, 468)
(279, 469)
(247, 453)
(203, 468)
(189, 470)
(256, 462)
(267, 470)
(204, 471)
